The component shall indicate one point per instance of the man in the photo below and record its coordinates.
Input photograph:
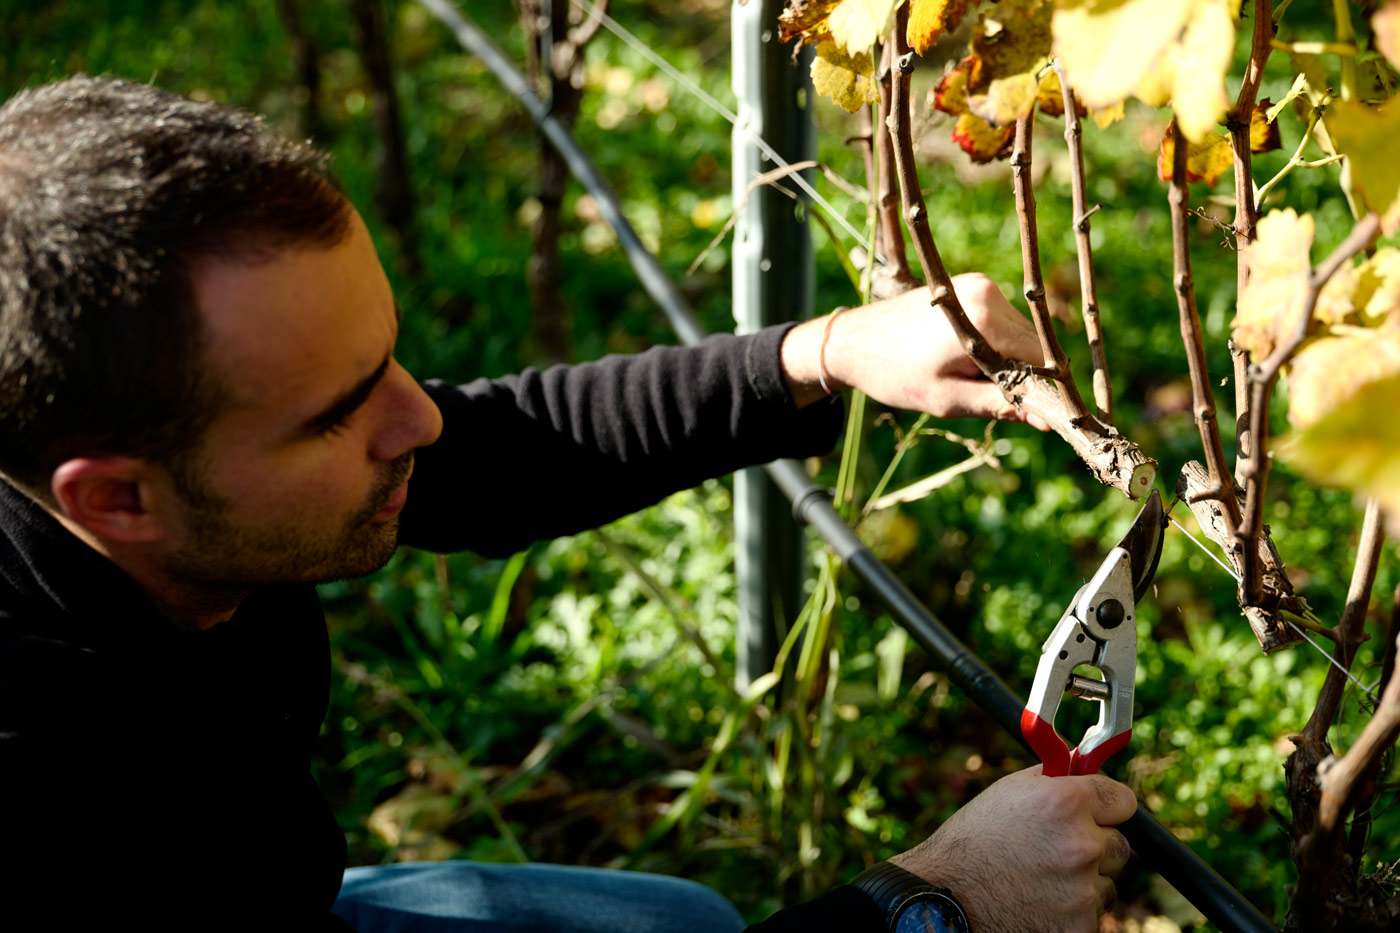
(201, 416)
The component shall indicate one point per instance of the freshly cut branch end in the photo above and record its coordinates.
(1112, 458)
(1195, 487)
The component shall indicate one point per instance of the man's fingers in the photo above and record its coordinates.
(980, 398)
(1107, 894)
(1112, 803)
(1006, 329)
(1115, 853)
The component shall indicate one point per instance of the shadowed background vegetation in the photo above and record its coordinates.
(559, 705)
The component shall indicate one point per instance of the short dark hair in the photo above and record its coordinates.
(111, 192)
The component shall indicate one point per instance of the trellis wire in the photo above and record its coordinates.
(1369, 691)
(675, 74)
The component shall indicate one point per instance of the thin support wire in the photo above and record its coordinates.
(642, 49)
(1369, 691)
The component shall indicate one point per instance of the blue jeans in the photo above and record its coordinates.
(475, 897)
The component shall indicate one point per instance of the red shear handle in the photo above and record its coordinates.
(1053, 751)
(1092, 762)
(1056, 757)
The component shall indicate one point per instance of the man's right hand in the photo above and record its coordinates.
(1031, 854)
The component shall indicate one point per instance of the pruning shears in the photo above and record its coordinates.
(1098, 630)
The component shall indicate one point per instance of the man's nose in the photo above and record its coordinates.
(411, 419)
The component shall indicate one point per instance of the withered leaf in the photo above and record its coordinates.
(1206, 160)
(1278, 277)
(930, 19)
(1263, 132)
(1370, 138)
(1330, 370)
(805, 21)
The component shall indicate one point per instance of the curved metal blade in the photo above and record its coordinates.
(1143, 542)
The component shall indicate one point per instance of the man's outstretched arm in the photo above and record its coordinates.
(549, 453)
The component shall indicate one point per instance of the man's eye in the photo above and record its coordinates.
(333, 428)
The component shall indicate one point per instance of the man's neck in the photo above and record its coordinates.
(186, 605)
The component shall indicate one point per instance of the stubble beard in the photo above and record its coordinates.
(227, 556)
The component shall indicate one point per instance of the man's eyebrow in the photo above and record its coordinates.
(348, 402)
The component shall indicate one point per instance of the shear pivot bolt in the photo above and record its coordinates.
(1110, 613)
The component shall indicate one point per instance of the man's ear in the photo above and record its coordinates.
(111, 497)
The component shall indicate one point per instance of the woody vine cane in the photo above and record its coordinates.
(1159, 848)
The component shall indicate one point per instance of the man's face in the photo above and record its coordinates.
(303, 476)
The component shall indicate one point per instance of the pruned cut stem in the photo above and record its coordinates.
(1088, 291)
(1196, 488)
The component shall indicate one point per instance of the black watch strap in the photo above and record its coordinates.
(895, 891)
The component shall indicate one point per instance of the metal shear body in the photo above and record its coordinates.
(1097, 629)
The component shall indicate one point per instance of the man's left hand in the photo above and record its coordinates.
(903, 352)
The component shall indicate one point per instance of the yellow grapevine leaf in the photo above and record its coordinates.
(805, 21)
(1156, 50)
(950, 96)
(846, 79)
(1206, 160)
(929, 19)
(1051, 99)
(1010, 44)
(978, 138)
(1335, 303)
(1357, 446)
(856, 24)
(1370, 138)
(1104, 117)
(1263, 131)
(1330, 370)
(1107, 46)
(982, 141)
(1278, 276)
(1385, 26)
(1377, 295)
(1198, 64)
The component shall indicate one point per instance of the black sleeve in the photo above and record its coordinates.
(549, 453)
(842, 910)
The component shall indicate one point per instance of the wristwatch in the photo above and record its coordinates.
(909, 903)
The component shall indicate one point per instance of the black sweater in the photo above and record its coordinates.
(163, 775)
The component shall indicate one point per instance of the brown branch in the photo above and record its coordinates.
(940, 284)
(1203, 398)
(1112, 458)
(891, 238)
(1343, 783)
(1351, 629)
(1240, 120)
(1089, 299)
(1262, 378)
(1056, 363)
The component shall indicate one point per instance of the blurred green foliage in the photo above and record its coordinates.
(558, 705)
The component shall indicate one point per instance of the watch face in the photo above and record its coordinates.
(933, 915)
